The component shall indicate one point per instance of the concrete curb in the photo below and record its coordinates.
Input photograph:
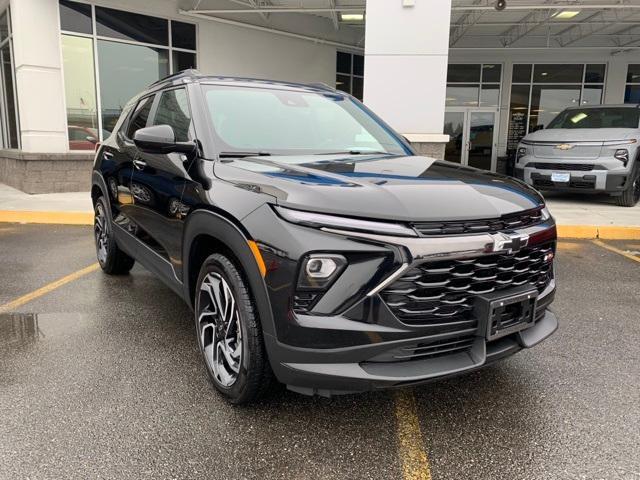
(590, 232)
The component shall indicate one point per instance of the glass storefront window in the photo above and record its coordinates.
(183, 60)
(462, 95)
(554, 87)
(632, 89)
(9, 125)
(125, 70)
(75, 17)
(183, 35)
(80, 92)
(592, 95)
(139, 54)
(547, 101)
(557, 73)
(481, 87)
(131, 26)
(350, 73)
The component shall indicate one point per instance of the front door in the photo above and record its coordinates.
(472, 137)
(159, 180)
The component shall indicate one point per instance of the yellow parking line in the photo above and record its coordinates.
(630, 256)
(415, 464)
(59, 218)
(48, 288)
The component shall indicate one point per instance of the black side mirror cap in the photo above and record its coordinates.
(161, 139)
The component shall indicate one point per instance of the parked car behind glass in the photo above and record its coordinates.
(589, 149)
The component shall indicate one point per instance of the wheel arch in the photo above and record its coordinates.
(99, 188)
(208, 232)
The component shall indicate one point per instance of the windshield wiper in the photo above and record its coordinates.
(243, 154)
(356, 152)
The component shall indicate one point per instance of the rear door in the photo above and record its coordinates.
(159, 180)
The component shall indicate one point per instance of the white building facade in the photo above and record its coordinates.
(461, 80)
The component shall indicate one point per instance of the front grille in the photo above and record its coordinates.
(506, 222)
(441, 294)
(581, 167)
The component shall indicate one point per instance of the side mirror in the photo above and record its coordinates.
(161, 139)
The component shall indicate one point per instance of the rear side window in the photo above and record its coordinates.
(140, 116)
(173, 110)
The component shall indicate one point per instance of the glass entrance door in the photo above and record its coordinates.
(472, 137)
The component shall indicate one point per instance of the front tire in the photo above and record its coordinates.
(631, 195)
(229, 332)
(112, 260)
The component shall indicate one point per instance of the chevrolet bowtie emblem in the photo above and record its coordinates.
(564, 146)
(510, 243)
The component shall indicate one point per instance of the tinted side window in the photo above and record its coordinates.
(173, 110)
(140, 116)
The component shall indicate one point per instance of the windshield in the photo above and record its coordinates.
(605, 117)
(287, 122)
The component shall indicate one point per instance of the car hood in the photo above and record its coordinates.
(582, 134)
(403, 188)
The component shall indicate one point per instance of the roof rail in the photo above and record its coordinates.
(190, 72)
(322, 86)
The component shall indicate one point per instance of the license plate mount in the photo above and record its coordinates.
(507, 314)
(560, 177)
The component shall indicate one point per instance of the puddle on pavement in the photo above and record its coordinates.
(20, 330)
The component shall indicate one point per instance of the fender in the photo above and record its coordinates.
(98, 180)
(206, 222)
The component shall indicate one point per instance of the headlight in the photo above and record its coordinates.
(320, 220)
(622, 154)
(521, 152)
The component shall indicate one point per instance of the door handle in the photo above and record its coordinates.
(107, 155)
(139, 164)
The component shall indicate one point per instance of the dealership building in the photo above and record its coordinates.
(463, 80)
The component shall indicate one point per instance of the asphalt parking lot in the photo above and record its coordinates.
(100, 378)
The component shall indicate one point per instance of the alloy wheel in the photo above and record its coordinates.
(101, 233)
(220, 333)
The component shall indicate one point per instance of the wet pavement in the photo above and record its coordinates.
(101, 378)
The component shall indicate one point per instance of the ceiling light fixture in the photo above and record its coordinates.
(352, 17)
(566, 14)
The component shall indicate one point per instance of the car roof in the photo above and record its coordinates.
(618, 105)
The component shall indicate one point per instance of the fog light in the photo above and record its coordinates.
(319, 270)
(321, 267)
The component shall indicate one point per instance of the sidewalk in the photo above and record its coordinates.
(577, 216)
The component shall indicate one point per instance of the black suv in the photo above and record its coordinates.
(311, 241)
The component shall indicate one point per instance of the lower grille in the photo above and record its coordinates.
(435, 349)
(545, 182)
(441, 294)
(303, 301)
(581, 167)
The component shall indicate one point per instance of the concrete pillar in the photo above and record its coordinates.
(39, 78)
(406, 53)
(616, 79)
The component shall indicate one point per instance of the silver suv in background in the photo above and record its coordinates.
(590, 149)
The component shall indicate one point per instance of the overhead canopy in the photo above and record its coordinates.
(548, 24)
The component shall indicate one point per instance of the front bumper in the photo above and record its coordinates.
(606, 177)
(351, 348)
(342, 371)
